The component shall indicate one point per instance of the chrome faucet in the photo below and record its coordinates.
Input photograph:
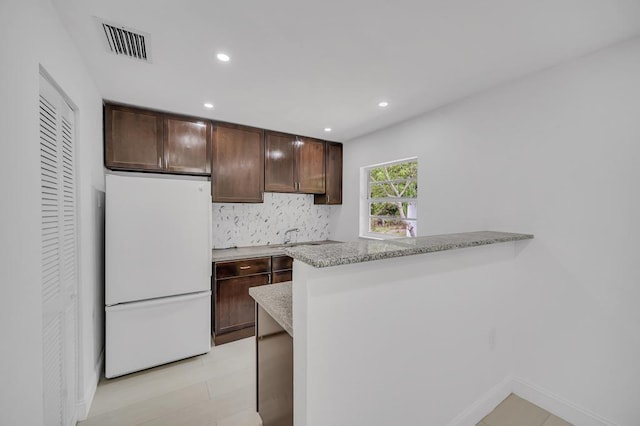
(287, 234)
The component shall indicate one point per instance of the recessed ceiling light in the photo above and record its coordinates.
(383, 104)
(208, 105)
(223, 57)
(327, 129)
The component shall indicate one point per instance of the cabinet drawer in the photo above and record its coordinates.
(281, 263)
(239, 268)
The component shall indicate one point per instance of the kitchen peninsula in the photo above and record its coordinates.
(404, 331)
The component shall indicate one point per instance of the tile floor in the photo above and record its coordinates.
(515, 411)
(215, 389)
(219, 388)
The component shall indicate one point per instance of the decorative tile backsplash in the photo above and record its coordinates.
(240, 224)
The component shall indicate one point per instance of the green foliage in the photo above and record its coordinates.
(394, 181)
(395, 171)
(384, 209)
(390, 209)
(395, 228)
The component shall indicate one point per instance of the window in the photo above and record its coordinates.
(389, 201)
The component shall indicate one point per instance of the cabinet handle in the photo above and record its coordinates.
(245, 267)
(328, 198)
(269, 282)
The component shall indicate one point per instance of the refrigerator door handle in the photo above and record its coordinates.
(157, 302)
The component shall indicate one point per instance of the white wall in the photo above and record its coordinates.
(406, 341)
(555, 155)
(32, 36)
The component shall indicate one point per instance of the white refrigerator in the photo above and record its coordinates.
(157, 271)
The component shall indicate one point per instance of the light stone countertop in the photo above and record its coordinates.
(236, 253)
(368, 250)
(276, 300)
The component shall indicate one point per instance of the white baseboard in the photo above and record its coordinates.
(83, 406)
(543, 398)
(558, 406)
(484, 405)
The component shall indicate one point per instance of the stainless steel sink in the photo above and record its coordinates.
(309, 243)
(301, 244)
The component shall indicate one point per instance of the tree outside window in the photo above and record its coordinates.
(393, 199)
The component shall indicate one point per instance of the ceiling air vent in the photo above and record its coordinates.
(124, 41)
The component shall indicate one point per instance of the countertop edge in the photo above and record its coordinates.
(238, 256)
(276, 299)
(253, 252)
(318, 257)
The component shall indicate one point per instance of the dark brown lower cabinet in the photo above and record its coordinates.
(282, 276)
(281, 269)
(232, 309)
(274, 347)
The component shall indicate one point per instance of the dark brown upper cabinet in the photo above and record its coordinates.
(143, 140)
(243, 161)
(133, 138)
(279, 169)
(311, 172)
(187, 147)
(237, 164)
(333, 175)
(294, 164)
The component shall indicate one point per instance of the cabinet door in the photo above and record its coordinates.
(237, 167)
(310, 166)
(281, 263)
(279, 162)
(133, 138)
(234, 308)
(333, 176)
(281, 269)
(282, 276)
(187, 145)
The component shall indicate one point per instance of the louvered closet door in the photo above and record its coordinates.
(59, 256)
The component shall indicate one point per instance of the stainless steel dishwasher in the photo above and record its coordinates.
(274, 348)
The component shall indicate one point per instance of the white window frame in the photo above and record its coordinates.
(365, 200)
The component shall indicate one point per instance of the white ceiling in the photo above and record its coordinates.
(300, 66)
